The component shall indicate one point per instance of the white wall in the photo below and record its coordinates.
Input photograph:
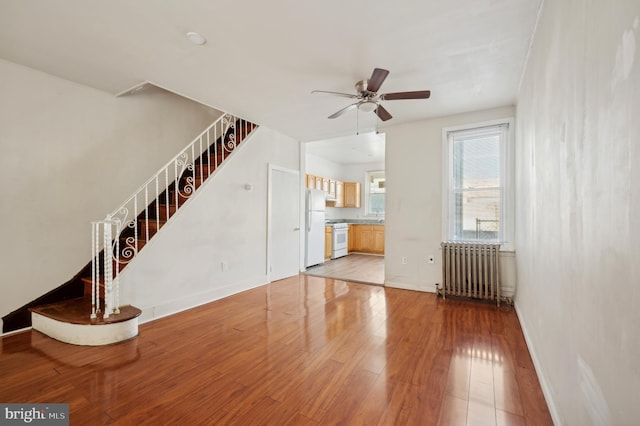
(414, 202)
(578, 209)
(70, 154)
(319, 166)
(181, 267)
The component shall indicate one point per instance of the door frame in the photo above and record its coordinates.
(272, 168)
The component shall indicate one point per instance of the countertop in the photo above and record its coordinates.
(355, 221)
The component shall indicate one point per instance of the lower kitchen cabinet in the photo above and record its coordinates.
(367, 238)
(328, 242)
(378, 239)
(351, 240)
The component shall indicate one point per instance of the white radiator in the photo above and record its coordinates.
(471, 270)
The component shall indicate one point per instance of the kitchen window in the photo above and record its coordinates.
(374, 190)
(478, 183)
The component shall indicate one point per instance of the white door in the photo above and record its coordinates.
(284, 224)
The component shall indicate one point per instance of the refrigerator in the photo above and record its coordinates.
(314, 227)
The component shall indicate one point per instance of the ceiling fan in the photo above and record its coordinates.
(369, 99)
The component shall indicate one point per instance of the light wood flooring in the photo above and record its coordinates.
(359, 268)
(300, 351)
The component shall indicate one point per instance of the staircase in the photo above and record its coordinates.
(98, 318)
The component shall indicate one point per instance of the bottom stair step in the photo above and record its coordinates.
(70, 321)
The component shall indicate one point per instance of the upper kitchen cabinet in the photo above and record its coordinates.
(352, 194)
(339, 194)
(315, 182)
(346, 194)
(332, 188)
(311, 181)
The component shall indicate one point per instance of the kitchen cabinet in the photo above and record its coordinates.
(352, 194)
(332, 188)
(328, 242)
(347, 194)
(351, 240)
(311, 181)
(368, 238)
(339, 194)
(325, 185)
(364, 238)
(378, 239)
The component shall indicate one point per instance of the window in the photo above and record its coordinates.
(478, 183)
(374, 190)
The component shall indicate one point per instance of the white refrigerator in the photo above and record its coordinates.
(314, 227)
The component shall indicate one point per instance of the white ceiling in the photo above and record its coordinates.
(356, 149)
(263, 59)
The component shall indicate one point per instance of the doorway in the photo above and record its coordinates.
(357, 161)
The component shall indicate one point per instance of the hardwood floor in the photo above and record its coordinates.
(359, 268)
(300, 351)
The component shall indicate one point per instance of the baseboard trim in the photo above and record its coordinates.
(155, 312)
(425, 289)
(544, 383)
(11, 333)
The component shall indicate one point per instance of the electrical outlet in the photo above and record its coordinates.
(224, 265)
(432, 259)
(404, 260)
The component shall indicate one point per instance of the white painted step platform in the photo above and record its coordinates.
(69, 321)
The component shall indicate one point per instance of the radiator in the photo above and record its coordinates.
(471, 270)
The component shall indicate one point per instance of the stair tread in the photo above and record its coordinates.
(153, 221)
(78, 311)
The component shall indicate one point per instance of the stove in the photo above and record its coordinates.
(340, 240)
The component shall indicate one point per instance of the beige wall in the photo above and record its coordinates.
(68, 155)
(578, 209)
(414, 201)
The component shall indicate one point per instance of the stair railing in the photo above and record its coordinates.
(116, 240)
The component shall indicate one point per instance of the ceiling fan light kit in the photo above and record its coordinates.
(369, 99)
(367, 106)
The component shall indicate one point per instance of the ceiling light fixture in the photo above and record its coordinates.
(367, 106)
(196, 38)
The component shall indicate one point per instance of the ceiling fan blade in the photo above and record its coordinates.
(344, 95)
(420, 94)
(383, 113)
(376, 80)
(343, 110)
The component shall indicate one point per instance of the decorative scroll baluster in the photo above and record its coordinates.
(193, 167)
(175, 183)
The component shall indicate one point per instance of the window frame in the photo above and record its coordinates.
(506, 151)
(367, 193)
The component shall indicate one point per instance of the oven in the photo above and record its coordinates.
(340, 237)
